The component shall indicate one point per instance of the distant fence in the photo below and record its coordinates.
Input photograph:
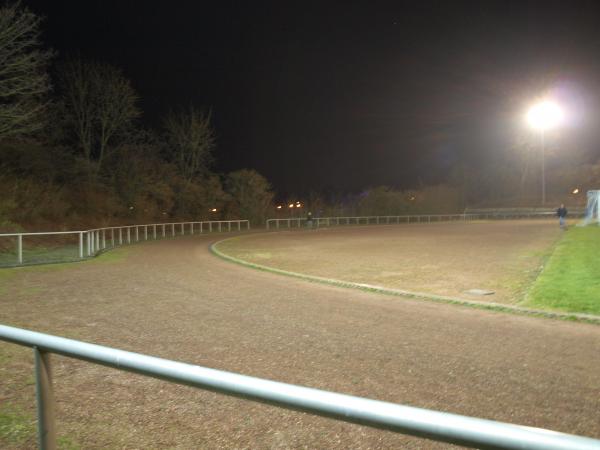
(436, 425)
(78, 245)
(317, 222)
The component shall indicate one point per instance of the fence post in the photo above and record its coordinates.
(248, 223)
(191, 228)
(129, 235)
(164, 230)
(145, 232)
(182, 229)
(112, 237)
(154, 231)
(20, 248)
(45, 400)
(219, 226)
(103, 238)
(120, 236)
(173, 229)
(239, 225)
(97, 240)
(137, 233)
(201, 227)
(81, 245)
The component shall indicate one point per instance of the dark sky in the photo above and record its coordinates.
(346, 95)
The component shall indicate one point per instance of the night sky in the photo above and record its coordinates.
(340, 96)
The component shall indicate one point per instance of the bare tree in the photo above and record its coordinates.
(191, 141)
(23, 76)
(98, 102)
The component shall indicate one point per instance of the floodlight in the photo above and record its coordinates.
(544, 115)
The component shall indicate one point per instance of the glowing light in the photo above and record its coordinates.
(544, 115)
(576, 191)
(298, 205)
(291, 205)
(278, 206)
(213, 210)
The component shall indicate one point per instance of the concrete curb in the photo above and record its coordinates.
(578, 317)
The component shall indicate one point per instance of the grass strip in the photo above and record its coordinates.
(570, 280)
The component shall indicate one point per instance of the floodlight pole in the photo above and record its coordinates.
(543, 144)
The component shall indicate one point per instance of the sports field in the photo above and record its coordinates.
(174, 299)
(448, 259)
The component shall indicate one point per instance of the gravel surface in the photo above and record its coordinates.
(447, 259)
(174, 299)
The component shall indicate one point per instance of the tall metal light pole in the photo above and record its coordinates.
(543, 116)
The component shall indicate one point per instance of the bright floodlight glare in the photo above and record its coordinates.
(544, 115)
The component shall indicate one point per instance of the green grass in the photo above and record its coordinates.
(16, 427)
(570, 280)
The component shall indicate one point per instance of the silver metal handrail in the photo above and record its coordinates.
(439, 426)
(93, 241)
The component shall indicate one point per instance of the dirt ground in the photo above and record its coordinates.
(441, 258)
(174, 299)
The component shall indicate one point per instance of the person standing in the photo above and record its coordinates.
(562, 215)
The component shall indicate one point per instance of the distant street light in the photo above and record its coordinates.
(544, 116)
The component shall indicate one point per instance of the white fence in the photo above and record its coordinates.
(414, 218)
(90, 242)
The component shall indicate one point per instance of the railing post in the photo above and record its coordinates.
(248, 223)
(239, 225)
(164, 230)
(97, 240)
(81, 245)
(129, 235)
(219, 226)
(182, 229)
(191, 228)
(103, 238)
(145, 232)
(45, 400)
(173, 229)
(137, 233)
(112, 237)
(210, 226)
(154, 231)
(229, 226)
(201, 227)
(20, 249)
(120, 236)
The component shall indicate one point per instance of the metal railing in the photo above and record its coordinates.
(317, 222)
(439, 426)
(91, 242)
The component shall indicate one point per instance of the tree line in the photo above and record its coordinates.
(73, 152)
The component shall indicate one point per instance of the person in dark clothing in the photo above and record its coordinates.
(309, 220)
(562, 215)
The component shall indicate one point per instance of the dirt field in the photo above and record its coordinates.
(441, 258)
(174, 299)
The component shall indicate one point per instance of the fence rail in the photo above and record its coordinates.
(439, 426)
(317, 222)
(91, 242)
